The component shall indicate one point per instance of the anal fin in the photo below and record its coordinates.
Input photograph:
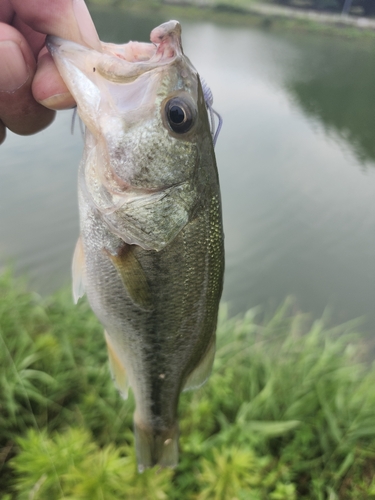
(132, 276)
(202, 371)
(78, 271)
(117, 368)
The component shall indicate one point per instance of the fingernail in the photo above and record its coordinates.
(59, 101)
(14, 71)
(86, 25)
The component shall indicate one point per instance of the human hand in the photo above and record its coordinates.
(29, 80)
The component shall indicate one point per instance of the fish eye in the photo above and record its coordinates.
(179, 115)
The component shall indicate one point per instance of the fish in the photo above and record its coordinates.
(150, 255)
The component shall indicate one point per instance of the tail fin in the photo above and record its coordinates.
(155, 447)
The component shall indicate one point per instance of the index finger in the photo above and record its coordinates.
(67, 19)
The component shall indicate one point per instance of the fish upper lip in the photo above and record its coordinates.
(110, 64)
(117, 63)
(53, 43)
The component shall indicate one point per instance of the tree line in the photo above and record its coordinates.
(367, 7)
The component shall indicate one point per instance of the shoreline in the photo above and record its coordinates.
(277, 11)
(253, 14)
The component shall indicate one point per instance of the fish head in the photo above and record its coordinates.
(143, 107)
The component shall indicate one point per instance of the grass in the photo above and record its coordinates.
(287, 414)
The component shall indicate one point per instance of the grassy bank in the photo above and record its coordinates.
(287, 414)
(233, 13)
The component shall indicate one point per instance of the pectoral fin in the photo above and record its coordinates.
(132, 275)
(201, 372)
(78, 271)
(117, 368)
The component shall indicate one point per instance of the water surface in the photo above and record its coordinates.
(296, 161)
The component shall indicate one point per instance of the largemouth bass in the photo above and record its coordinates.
(150, 254)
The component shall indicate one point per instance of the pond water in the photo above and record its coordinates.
(296, 159)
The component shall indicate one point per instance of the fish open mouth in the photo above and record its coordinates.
(122, 63)
(165, 43)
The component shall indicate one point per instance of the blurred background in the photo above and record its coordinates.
(296, 157)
